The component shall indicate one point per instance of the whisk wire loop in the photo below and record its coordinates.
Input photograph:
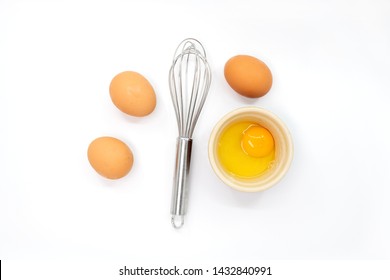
(189, 80)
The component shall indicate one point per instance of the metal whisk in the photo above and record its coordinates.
(189, 83)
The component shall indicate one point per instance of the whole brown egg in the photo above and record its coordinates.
(132, 94)
(110, 157)
(248, 76)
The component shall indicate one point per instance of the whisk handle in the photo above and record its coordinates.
(180, 189)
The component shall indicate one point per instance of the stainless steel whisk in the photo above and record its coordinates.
(189, 83)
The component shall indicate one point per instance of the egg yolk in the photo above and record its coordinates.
(246, 149)
(257, 141)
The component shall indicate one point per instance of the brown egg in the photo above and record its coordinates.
(248, 76)
(132, 94)
(110, 157)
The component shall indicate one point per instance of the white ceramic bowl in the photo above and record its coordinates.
(283, 149)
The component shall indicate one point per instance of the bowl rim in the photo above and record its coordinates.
(234, 114)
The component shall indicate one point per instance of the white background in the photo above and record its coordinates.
(330, 61)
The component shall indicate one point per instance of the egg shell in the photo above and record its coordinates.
(110, 157)
(248, 76)
(132, 94)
